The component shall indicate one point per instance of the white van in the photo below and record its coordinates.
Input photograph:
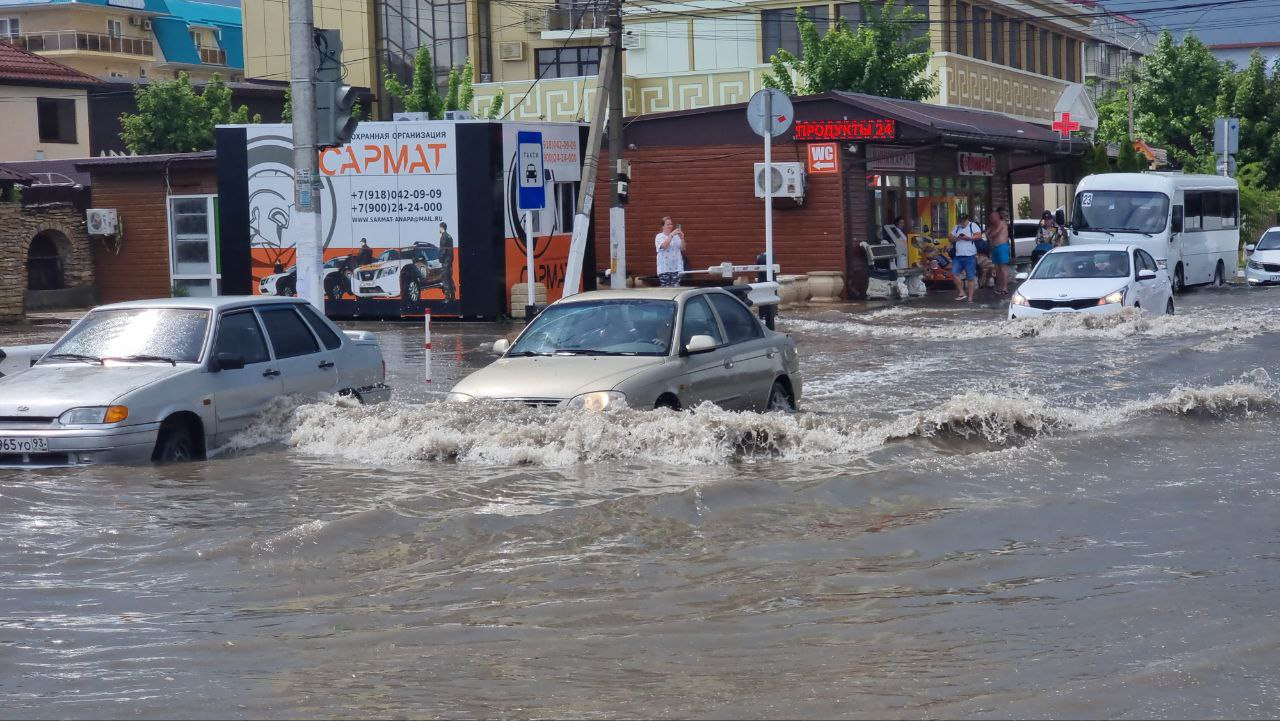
(1189, 223)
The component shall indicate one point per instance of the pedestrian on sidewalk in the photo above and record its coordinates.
(669, 243)
(964, 267)
(998, 240)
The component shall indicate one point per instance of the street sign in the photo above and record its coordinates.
(1226, 135)
(529, 170)
(781, 112)
(824, 159)
(1230, 167)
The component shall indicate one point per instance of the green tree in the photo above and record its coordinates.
(466, 88)
(1177, 96)
(1096, 159)
(173, 118)
(451, 94)
(880, 57)
(495, 108)
(422, 95)
(286, 113)
(1130, 160)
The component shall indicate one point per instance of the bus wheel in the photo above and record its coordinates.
(1179, 283)
(1219, 275)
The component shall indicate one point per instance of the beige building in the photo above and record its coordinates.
(46, 107)
(130, 38)
(1019, 57)
(266, 38)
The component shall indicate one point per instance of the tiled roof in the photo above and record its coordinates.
(18, 65)
(9, 175)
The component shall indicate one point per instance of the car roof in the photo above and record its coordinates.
(216, 303)
(635, 294)
(1093, 247)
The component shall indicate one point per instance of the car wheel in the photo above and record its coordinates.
(410, 288)
(780, 398)
(1219, 275)
(333, 290)
(285, 289)
(1179, 282)
(667, 401)
(1168, 307)
(175, 446)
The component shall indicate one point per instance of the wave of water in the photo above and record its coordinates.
(1126, 323)
(506, 435)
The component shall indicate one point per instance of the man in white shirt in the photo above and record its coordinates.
(964, 266)
(670, 245)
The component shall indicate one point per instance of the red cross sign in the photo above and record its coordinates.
(1066, 125)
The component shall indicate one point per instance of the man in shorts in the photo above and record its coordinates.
(964, 266)
(998, 239)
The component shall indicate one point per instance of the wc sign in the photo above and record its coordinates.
(824, 158)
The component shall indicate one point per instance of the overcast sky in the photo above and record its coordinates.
(1238, 21)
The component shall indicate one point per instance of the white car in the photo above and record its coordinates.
(403, 272)
(167, 380)
(1263, 266)
(337, 280)
(1092, 279)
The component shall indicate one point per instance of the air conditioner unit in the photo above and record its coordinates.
(457, 115)
(101, 221)
(146, 24)
(135, 21)
(788, 180)
(513, 50)
(632, 40)
(410, 117)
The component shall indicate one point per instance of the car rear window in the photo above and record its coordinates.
(321, 327)
(290, 336)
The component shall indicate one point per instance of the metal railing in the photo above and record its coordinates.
(77, 40)
(575, 17)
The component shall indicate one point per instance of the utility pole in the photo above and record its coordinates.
(590, 166)
(306, 202)
(617, 215)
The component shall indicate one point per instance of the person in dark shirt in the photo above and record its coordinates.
(446, 263)
(365, 256)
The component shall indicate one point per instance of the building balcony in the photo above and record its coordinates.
(213, 56)
(575, 17)
(75, 40)
(1101, 69)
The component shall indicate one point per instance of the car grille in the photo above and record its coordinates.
(1271, 267)
(535, 402)
(1076, 304)
(36, 459)
(26, 420)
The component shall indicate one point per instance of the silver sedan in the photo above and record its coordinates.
(643, 348)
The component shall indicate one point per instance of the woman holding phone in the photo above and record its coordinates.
(669, 243)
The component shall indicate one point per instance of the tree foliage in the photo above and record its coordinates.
(423, 96)
(173, 118)
(1176, 98)
(880, 57)
(495, 108)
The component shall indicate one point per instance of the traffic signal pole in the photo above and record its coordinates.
(306, 201)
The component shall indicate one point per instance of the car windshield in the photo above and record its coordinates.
(1121, 211)
(389, 255)
(602, 327)
(1083, 264)
(1270, 240)
(336, 262)
(162, 334)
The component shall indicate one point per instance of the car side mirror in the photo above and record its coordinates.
(1022, 276)
(699, 344)
(1176, 225)
(1146, 274)
(227, 362)
(1250, 248)
(501, 345)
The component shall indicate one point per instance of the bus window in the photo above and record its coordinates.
(1210, 211)
(1193, 205)
(1230, 209)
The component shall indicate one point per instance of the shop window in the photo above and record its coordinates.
(569, 62)
(56, 118)
(979, 30)
(193, 245)
(778, 29)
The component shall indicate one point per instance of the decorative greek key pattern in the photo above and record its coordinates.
(983, 86)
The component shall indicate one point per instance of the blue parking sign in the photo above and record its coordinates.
(528, 168)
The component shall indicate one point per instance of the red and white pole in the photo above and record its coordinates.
(426, 343)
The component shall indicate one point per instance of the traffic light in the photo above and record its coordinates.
(334, 99)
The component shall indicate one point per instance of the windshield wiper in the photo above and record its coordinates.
(141, 357)
(527, 353)
(76, 356)
(582, 351)
(1134, 230)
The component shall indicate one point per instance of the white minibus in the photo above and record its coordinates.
(1189, 223)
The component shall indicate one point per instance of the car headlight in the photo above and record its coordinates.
(452, 397)
(386, 272)
(1116, 297)
(1019, 299)
(598, 401)
(1255, 265)
(91, 415)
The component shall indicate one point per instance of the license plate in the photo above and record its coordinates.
(24, 445)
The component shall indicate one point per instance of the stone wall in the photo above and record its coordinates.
(18, 226)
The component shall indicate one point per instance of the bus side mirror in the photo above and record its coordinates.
(1176, 226)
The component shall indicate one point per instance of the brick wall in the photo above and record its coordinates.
(18, 226)
(710, 191)
(141, 267)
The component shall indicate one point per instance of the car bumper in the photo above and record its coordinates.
(77, 447)
(369, 290)
(1025, 311)
(1260, 277)
(380, 393)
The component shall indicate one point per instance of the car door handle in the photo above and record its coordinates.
(770, 353)
(270, 372)
(326, 364)
(728, 364)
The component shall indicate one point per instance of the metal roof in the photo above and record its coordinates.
(143, 161)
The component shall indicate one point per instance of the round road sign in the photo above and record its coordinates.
(780, 109)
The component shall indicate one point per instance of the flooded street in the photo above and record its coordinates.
(973, 517)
